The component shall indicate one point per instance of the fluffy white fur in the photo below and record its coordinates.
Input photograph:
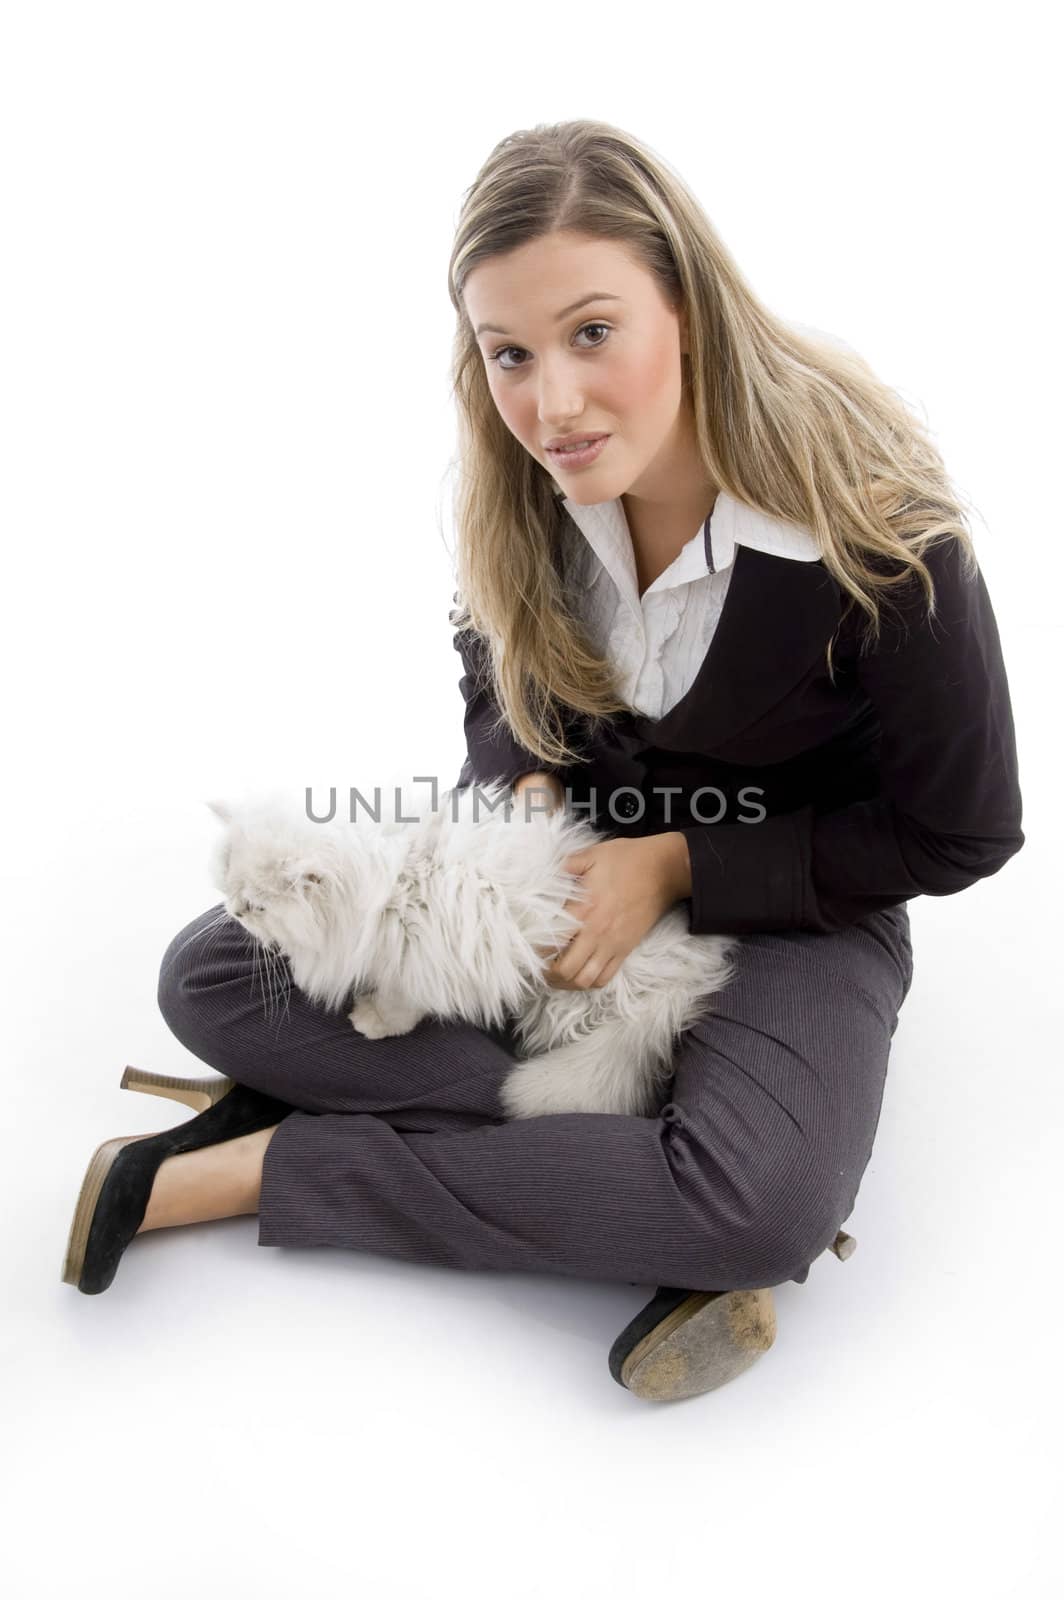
(443, 916)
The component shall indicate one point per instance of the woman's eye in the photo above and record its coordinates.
(506, 348)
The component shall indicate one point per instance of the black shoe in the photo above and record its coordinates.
(687, 1341)
(118, 1181)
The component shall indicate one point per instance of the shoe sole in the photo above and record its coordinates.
(100, 1163)
(709, 1338)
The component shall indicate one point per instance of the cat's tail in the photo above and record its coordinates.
(614, 1068)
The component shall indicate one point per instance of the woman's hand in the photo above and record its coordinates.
(629, 884)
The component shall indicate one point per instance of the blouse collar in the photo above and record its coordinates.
(711, 549)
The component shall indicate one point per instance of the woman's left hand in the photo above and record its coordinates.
(628, 888)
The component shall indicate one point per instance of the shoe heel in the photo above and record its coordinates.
(199, 1093)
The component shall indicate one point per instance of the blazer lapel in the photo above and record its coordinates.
(777, 619)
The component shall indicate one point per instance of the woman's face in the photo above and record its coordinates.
(611, 365)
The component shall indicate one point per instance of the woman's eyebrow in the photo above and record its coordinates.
(490, 327)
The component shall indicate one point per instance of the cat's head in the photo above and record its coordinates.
(277, 870)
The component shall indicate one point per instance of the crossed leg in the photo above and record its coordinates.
(399, 1146)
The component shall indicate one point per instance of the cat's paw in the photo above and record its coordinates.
(367, 1020)
(377, 1017)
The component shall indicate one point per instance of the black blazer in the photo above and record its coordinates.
(821, 802)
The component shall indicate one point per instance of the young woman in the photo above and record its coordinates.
(747, 633)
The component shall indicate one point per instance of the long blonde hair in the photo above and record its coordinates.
(796, 427)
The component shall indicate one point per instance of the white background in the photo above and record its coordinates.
(227, 442)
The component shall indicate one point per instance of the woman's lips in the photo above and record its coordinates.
(579, 458)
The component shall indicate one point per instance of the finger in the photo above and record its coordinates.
(591, 976)
(580, 967)
(552, 952)
(556, 979)
(561, 971)
(607, 973)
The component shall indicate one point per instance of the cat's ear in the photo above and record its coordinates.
(220, 809)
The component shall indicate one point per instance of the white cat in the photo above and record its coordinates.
(444, 916)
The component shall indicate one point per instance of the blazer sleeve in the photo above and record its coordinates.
(949, 808)
(491, 750)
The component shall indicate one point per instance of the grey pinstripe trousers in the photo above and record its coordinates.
(399, 1146)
